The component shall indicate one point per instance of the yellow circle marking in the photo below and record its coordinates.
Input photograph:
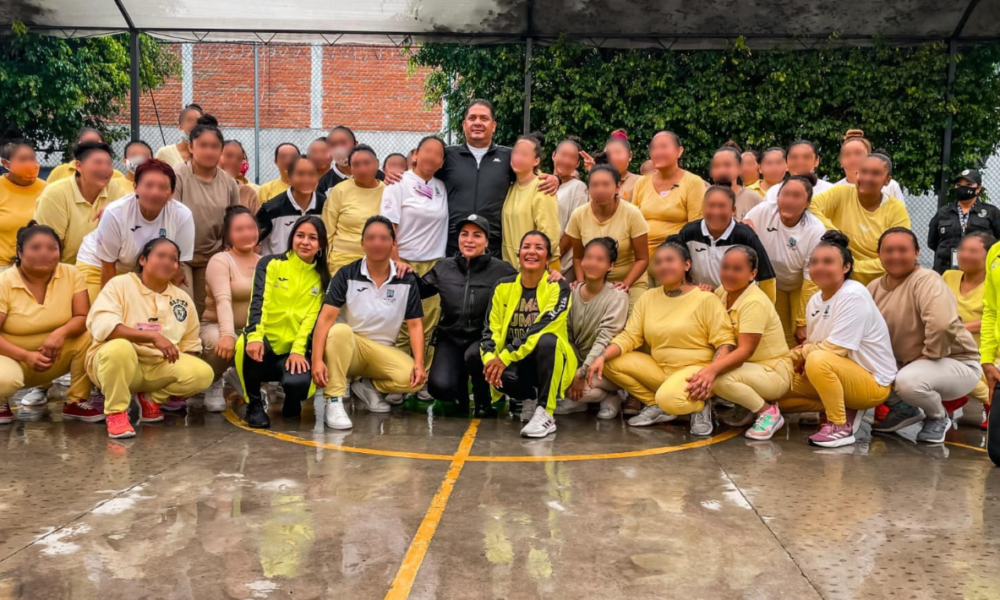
(235, 420)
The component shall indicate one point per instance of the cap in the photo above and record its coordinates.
(477, 220)
(969, 175)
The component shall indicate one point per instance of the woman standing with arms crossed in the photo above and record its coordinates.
(527, 208)
(350, 204)
(229, 279)
(607, 215)
(20, 188)
(207, 191)
(145, 338)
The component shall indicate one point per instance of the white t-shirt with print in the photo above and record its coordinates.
(850, 319)
(122, 232)
(419, 210)
(789, 248)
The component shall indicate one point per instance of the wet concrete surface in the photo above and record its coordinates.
(199, 508)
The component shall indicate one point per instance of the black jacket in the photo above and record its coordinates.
(476, 189)
(946, 230)
(465, 288)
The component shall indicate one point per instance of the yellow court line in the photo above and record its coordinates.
(407, 573)
(977, 449)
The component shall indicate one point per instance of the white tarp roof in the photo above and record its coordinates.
(616, 23)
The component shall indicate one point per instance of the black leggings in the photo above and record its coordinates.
(527, 379)
(272, 368)
(450, 372)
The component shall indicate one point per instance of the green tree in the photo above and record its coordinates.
(51, 87)
(896, 94)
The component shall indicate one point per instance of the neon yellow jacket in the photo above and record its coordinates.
(989, 331)
(286, 298)
(553, 311)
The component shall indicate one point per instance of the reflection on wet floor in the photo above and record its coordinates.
(199, 508)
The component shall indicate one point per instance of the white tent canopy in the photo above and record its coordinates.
(675, 24)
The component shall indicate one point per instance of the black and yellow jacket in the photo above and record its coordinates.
(553, 311)
(286, 299)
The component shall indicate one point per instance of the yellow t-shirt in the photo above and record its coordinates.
(970, 305)
(17, 207)
(63, 208)
(67, 170)
(628, 186)
(753, 312)
(625, 225)
(28, 323)
(680, 332)
(170, 155)
(271, 189)
(669, 211)
(755, 186)
(524, 209)
(345, 212)
(126, 301)
(839, 208)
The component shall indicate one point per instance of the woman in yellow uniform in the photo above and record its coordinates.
(685, 329)
(846, 365)
(618, 151)
(136, 152)
(758, 372)
(863, 212)
(145, 340)
(968, 283)
(87, 135)
(350, 204)
(671, 197)
(20, 188)
(527, 208)
(43, 334)
(772, 170)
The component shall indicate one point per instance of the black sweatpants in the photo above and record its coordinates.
(453, 367)
(527, 379)
(272, 368)
(993, 432)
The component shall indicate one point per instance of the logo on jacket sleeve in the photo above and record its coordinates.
(179, 308)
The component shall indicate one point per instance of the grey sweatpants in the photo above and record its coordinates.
(925, 383)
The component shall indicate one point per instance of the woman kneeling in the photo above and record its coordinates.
(145, 333)
(845, 367)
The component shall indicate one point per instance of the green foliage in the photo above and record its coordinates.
(895, 94)
(51, 87)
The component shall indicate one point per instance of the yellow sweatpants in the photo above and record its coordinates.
(92, 275)
(833, 383)
(642, 377)
(336, 260)
(432, 312)
(789, 307)
(117, 371)
(349, 355)
(15, 375)
(981, 391)
(755, 384)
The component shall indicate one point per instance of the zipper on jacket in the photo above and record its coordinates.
(465, 294)
(475, 198)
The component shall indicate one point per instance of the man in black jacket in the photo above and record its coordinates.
(477, 175)
(954, 221)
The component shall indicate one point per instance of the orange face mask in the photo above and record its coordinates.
(27, 171)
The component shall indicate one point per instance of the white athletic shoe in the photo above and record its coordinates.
(528, 410)
(65, 381)
(369, 396)
(336, 414)
(232, 379)
(394, 399)
(701, 421)
(540, 425)
(650, 415)
(567, 406)
(35, 397)
(215, 400)
(424, 395)
(610, 406)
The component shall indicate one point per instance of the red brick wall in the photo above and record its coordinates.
(368, 88)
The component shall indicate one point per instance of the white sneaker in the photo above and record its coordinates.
(232, 379)
(215, 400)
(394, 399)
(369, 396)
(541, 424)
(567, 406)
(424, 395)
(650, 415)
(610, 406)
(65, 381)
(35, 397)
(701, 421)
(336, 415)
(528, 410)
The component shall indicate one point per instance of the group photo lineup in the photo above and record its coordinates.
(297, 311)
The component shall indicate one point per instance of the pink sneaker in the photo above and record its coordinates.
(833, 436)
(82, 411)
(767, 423)
(6, 416)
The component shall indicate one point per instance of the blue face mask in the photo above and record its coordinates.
(185, 137)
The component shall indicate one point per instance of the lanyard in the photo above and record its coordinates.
(963, 218)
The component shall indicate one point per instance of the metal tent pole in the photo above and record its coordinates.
(948, 126)
(135, 57)
(527, 87)
(256, 114)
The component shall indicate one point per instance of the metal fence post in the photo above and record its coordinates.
(527, 86)
(256, 114)
(949, 123)
(135, 57)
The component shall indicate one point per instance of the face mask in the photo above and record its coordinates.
(133, 163)
(244, 167)
(965, 192)
(26, 171)
(185, 137)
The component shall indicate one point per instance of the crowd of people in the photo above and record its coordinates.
(762, 289)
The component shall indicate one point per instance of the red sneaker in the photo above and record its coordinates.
(986, 418)
(119, 427)
(150, 410)
(952, 405)
(881, 411)
(5, 415)
(82, 411)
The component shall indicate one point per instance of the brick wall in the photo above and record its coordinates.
(365, 87)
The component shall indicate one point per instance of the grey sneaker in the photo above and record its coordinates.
(650, 415)
(934, 430)
(701, 421)
(528, 410)
(566, 406)
(369, 396)
(900, 415)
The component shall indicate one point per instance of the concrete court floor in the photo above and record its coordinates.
(199, 508)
